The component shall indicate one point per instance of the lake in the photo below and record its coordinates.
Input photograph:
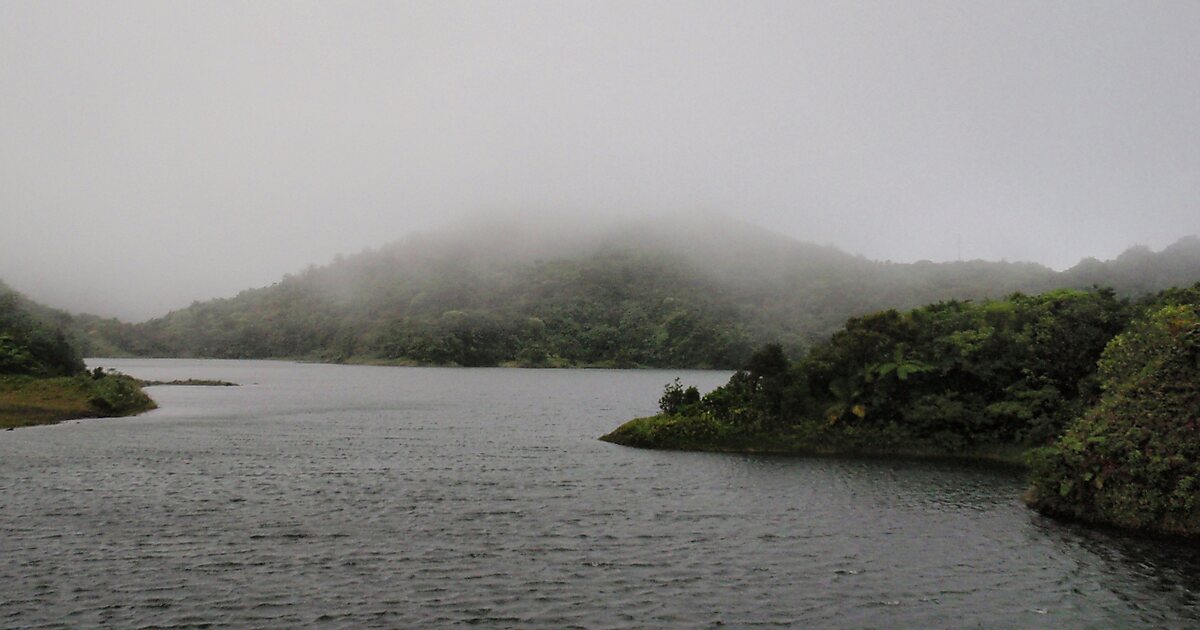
(355, 496)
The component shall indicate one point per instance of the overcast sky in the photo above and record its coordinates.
(156, 153)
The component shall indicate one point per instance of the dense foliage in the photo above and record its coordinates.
(1133, 460)
(32, 340)
(670, 294)
(951, 376)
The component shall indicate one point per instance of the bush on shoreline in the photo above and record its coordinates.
(1133, 460)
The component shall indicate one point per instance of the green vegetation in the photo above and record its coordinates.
(30, 344)
(951, 377)
(43, 379)
(1105, 412)
(1133, 460)
(658, 294)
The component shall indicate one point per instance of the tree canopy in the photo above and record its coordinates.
(1133, 460)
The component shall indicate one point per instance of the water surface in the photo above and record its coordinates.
(353, 496)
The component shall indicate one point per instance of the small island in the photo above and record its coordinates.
(189, 382)
(1099, 396)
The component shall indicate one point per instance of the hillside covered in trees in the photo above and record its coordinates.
(700, 293)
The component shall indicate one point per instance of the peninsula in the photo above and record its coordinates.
(1099, 395)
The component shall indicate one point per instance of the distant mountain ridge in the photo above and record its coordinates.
(699, 292)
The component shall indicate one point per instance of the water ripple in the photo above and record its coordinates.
(357, 497)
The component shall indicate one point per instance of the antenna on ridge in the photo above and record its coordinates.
(960, 248)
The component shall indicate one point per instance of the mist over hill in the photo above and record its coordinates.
(700, 292)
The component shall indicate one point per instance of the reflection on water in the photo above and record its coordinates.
(340, 496)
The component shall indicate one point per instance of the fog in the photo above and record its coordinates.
(152, 154)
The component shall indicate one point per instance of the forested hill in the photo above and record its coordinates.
(1140, 270)
(658, 293)
(33, 338)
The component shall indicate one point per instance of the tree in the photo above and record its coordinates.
(675, 399)
(900, 365)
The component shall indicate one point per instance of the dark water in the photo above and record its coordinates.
(337, 496)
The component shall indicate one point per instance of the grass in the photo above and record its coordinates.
(27, 401)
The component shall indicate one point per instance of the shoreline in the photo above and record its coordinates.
(663, 433)
(408, 363)
(672, 433)
(1015, 461)
(27, 401)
